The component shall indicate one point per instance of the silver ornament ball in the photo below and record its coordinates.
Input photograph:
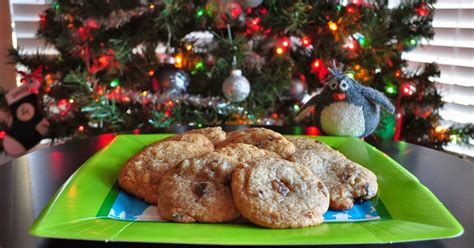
(236, 87)
(250, 3)
(298, 89)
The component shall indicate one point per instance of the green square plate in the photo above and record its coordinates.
(412, 211)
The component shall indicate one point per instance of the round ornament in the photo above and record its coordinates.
(250, 3)
(298, 89)
(170, 79)
(236, 87)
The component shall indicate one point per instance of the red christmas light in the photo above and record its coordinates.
(398, 73)
(42, 20)
(151, 73)
(350, 9)
(81, 128)
(255, 21)
(63, 103)
(352, 44)
(253, 25)
(285, 42)
(305, 41)
(422, 10)
(316, 65)
(313, 131)
(2, 134)
(235, 10)
(104, 60)
(407, 89)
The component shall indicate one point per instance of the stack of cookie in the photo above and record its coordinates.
(207, 175)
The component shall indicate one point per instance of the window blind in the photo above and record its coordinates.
(453, 49)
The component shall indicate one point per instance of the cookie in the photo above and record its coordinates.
(276, 193)
(198, 190)
(243, 152)
(346, 180)
(195, 138)
(261, 138)
(215, 134)
(142, 173)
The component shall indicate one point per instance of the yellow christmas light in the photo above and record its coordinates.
(279, 50)
(332, 26)
(178, 59)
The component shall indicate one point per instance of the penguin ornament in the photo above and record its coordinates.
(346, 108)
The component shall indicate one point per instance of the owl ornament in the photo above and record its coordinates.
(346, 108)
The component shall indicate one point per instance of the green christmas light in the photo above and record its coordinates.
(361, 41)
(390, 89)
(56, 6)
(199, 65)
(350, 75)
(413, 42)
(200, 13)
(114, 83)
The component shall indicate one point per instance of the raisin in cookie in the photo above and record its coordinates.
(142, 173)
(243, 152)
(261, 138)
(345, 179)
(215, 134)
(276, 193)
(198, 190)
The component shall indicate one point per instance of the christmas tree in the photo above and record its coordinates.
(123, 65)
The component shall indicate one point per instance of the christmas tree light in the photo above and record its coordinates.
(200, 12)
(332, 26)
(279, 50)
(285, 42)
(81, 128)
(306, 41)
(114, 83)
(390, 89)
(316, 65)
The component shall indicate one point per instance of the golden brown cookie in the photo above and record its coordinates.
(215, 134)
(198, 190)
(243, 152)
(276, 193)
(195, 138)
(261, 138)
(345, 179)
(142, 173)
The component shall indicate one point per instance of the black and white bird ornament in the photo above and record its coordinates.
(346, 108)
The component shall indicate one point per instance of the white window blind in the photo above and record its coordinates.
(453, 49)
(25, 21)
